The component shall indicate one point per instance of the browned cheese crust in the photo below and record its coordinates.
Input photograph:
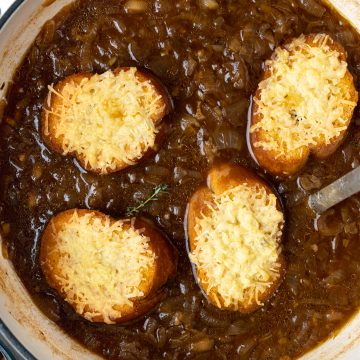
(153, 280)
(222, 177)
(49, 120)
(280, 165)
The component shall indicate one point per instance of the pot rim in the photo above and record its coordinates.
(4, 18)
(9, 344)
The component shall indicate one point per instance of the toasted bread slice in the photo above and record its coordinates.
(108, 271)
(107, 121)
(303, 105)
(234, 229)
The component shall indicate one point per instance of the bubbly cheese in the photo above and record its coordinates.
(107, 118)
(101, 264)
(303, 102)
(237, 244)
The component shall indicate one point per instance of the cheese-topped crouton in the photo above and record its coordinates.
(234, 231)
(107, 121)
(304, 104)
(108, 271)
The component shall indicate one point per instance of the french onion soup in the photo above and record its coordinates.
(116, 119)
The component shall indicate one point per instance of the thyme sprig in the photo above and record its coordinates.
(133, 210)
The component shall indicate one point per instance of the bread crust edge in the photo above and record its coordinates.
(279, 165)
(52, 101)
(221, 177)
(164, 267)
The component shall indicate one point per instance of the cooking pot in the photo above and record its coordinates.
(25, 333)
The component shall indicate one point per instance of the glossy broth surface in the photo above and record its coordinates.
(210, 55)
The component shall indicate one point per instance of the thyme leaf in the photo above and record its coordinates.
(133, 210)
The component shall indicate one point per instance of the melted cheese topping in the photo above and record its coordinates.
(237, 244)
(101, 265)
(303, 102)
(106, 119)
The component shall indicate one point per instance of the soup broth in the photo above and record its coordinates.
(210, 55)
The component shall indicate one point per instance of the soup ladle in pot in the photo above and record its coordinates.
(339, 190)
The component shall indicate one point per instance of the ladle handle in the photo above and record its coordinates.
(339, 190)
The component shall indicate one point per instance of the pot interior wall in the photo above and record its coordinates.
(38, 334)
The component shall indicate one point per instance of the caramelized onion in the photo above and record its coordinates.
(334, 278)
(227, 138)
(328, 223)
(188, 121)
(209, 4)
(236, 113)
(161, 336)
(312, 7)
(213, 115)
(207, 82)
(189, 66)
(135, 6)
(351, 228)
(237, 328)
(157, 170)
(164, 67)
(150, 325)
(47, 33)
(204, 344)
(310, 182)
(333, 315)
(246, 346)
(211, 320)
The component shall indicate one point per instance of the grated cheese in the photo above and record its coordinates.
(303, 102)
(102, 265)
(106, 118)
(237, 244)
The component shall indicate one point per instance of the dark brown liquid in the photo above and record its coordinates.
(212, 60)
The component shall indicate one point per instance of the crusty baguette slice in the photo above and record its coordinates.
(108, 121)
(303, 104)
(235, 251)
(108, 271)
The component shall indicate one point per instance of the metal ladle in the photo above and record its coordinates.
(339, 190)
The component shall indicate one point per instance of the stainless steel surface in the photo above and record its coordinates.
(339, 190)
